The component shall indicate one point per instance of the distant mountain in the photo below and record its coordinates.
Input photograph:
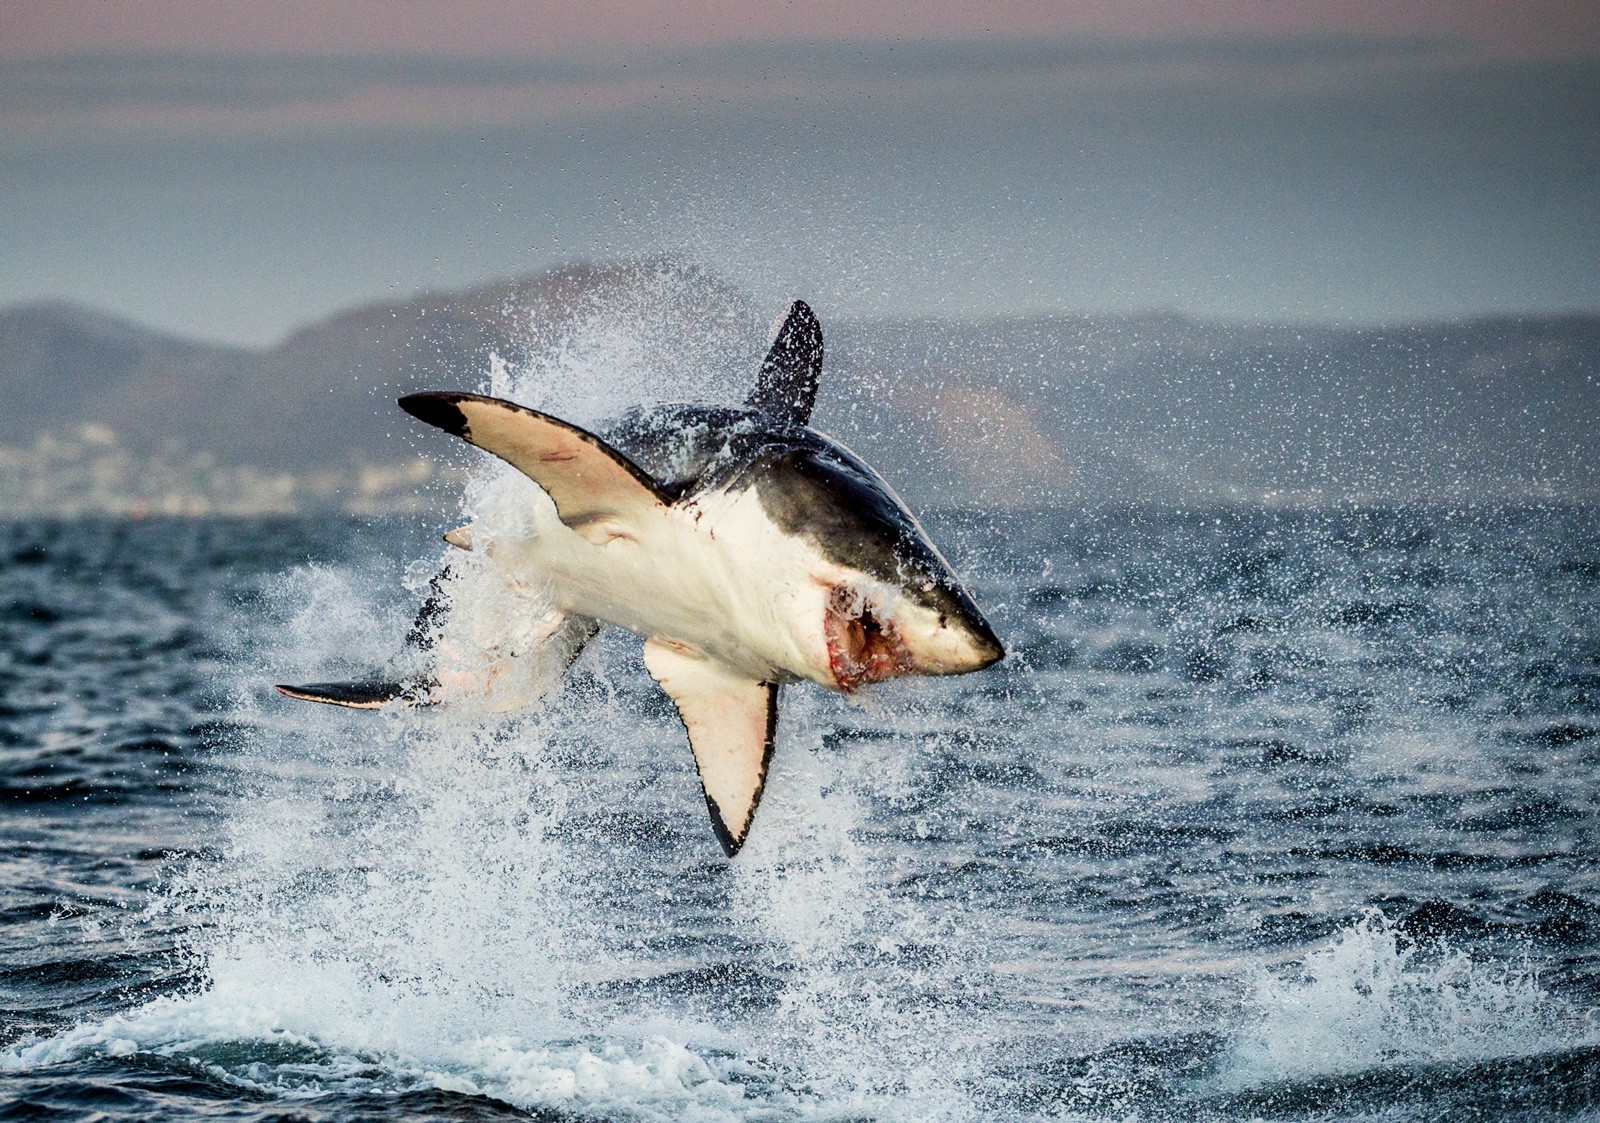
(1166, 408)
(321, 396)
(102, 414)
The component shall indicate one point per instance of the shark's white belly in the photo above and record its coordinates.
(715, 576)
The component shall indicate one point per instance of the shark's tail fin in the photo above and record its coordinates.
(379, 693)
(360, 695)
(487, 677)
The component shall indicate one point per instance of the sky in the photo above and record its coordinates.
(232, 171)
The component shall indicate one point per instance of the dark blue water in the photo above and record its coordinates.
(1270, 814)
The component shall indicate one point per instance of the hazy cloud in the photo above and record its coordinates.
(71, 88)
(207, 81)
(998, 57)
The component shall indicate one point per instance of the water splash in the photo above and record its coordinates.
(1371, 997)
(858, 1018)
(658, 331)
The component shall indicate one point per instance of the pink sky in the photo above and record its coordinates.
(1527, 28)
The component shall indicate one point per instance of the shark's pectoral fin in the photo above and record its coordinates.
(787, 385)
(360, 695)
(731, 721)
(588, 479)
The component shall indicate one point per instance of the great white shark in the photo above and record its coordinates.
(749, 550)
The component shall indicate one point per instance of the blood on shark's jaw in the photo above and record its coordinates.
(864, 646)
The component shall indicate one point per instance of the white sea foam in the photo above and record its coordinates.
(245, 1039)
(1370, 997)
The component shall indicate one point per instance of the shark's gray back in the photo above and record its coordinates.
(810, 485)
(689, 448)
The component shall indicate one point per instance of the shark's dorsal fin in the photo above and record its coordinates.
(588, 479)
(787, 384)
(731, 721)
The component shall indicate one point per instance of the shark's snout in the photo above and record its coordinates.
(956, 644)
(984, 648)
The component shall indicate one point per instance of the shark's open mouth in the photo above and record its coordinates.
(862, 646)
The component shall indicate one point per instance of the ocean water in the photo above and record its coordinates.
(1270, 814)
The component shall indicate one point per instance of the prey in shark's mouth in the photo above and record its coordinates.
(862, 647)
(749, 551)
